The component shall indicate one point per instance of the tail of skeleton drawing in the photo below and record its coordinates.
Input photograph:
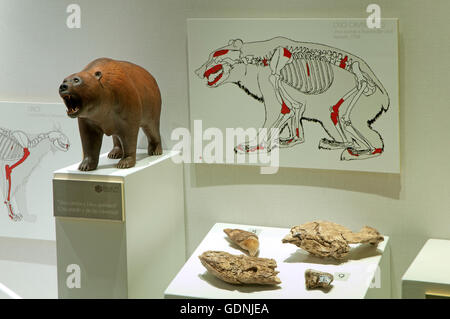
(371, 77)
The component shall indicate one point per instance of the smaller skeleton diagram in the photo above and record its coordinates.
(20, 154)
(304, 81)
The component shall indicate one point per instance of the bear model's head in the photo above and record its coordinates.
(80, 91)
(219, 67)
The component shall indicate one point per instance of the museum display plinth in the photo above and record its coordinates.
(428, 276)
(124, 228)
(364, 274)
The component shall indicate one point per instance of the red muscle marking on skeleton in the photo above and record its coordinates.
(219, 53)
(8, 178)
(351, 153)
(335, 111)
(343, 63)
(297, 132)
(213, 70)
(285, 109)
(215, 80)
(10, 214)
(286, 53)
(257, 148)
(307, 69)
(9, 169)
(377, 151)
(265, 62)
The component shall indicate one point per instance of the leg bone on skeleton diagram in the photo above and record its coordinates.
(10, 145)
(292, 111)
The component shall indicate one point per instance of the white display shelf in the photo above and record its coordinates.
(136, 255)
(359, 271)
(107, 167)
(429, 274)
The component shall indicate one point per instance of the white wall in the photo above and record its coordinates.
(38, 51)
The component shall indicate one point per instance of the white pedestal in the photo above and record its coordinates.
(193, 281)
(134, 256)
(429, 274)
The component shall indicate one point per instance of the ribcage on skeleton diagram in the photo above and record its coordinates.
(9, 148)
(308, 75)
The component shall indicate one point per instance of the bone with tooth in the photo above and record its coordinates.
(317, 279)
(244, 239)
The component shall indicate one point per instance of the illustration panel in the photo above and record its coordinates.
(328, 87)
(35, 140)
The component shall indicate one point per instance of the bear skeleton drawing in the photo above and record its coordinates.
(20, 154)
(299, 81)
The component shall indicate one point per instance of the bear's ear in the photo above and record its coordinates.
(98, 75)
(237, 44)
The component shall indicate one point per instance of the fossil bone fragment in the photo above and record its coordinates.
(240, 269)
(327, 239)
(317, 279)
(244, 239)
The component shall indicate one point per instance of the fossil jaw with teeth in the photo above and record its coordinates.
(244, 239)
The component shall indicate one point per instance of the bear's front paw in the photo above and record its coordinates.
(126, 162)
(88, 164)
(115, 153)
(155, 150)
(248, 148)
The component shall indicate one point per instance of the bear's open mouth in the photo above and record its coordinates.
(73, 104)
(214, 74)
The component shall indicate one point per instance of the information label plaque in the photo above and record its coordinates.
(88, 199)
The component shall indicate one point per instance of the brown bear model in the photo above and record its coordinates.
(113, 98)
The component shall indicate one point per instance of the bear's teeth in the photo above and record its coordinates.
(73, 110)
